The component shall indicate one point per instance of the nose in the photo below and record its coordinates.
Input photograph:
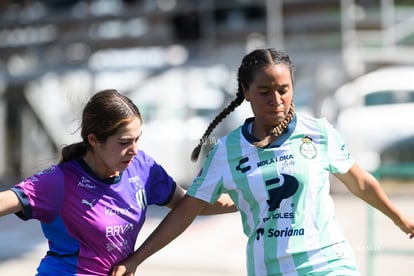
(134, 148)
(276, 98)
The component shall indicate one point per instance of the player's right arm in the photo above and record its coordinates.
(9, 203)
(176, 221)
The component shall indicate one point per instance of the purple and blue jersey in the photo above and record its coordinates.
(91, 224)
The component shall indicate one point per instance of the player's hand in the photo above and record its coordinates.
(123, 269)
(407, 226)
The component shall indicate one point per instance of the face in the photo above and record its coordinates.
(270, 95)
(115, 154)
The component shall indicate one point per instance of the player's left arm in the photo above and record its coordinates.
(9, 203)
(365, 186)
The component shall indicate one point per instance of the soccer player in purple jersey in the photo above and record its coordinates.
(92, 204)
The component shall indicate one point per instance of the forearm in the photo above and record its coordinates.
(9, 203)
(223, 205)
(371, 192)
(170, 228)
(365, 186)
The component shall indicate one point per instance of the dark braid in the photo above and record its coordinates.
(278, 130)
(223, 114)
(250, 65)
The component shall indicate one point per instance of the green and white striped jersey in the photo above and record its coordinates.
(282, 192)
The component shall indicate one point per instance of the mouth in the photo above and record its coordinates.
(276, 112)
(126, 163)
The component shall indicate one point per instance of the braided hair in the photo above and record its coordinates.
(251, 63)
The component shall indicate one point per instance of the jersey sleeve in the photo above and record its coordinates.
(208, 184)
(41, 195)
(340, 159)
(160, 185)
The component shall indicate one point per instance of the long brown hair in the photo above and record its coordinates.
(104, 114)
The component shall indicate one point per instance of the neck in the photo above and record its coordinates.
(97, 166)
(274, 133)
(280, 128)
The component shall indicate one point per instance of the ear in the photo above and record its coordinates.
(93, 141)
(245, 93)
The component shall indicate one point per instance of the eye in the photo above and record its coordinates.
(264, 91)
(124, 143)
(284, 89)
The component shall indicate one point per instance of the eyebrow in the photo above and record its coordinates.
(129, 137)
(267, 86)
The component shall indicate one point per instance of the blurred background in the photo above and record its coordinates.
(177, 59)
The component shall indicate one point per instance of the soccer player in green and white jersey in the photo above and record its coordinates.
(276, 168)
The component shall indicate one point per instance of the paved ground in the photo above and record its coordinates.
(214, 246)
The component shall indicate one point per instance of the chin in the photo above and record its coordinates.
(275, 120)
(124, 165)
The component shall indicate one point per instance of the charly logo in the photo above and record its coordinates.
(241, 167)
(307, 148)
(278, 188)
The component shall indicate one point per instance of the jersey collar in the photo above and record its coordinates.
(247, 126)
(109, 180)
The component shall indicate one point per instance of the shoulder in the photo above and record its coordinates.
(303, 117)
(219, 149)
(312, 122)
(143, 158)
(234, 137)
(52, 171)
(144, 162)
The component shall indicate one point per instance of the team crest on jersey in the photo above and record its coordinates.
(47, 171)
(34, 178)
(307, 148)
(141, 198)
